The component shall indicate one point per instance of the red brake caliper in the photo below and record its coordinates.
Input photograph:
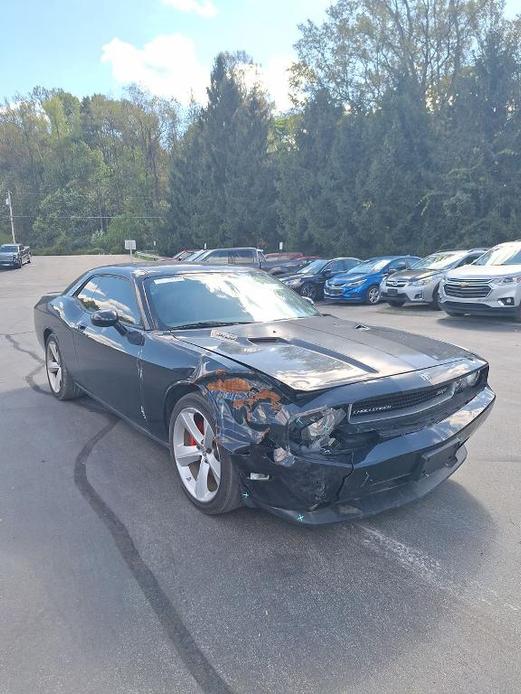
(199, 422)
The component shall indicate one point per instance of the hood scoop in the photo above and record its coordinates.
(267, 340)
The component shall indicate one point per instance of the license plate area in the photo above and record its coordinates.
(392, 291)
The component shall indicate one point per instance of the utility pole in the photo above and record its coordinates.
(8, 203)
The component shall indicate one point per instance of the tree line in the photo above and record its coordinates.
(405, 137)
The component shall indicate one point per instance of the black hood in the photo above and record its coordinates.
(322, 351)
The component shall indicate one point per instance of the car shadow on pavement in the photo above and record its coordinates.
(493, 325)
(318, 604)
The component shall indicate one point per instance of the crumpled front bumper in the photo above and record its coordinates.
(416, 294)
(323, 489)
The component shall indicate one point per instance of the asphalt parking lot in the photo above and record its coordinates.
(111, 582)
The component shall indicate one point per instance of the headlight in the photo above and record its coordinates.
(419, 283)
(468, 381)
(314, 430)
(357, 283)
(293, 283)
(507, 280)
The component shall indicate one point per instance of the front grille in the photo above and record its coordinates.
(467, 289)
(396, 283)
(333, 290)
(400, 404)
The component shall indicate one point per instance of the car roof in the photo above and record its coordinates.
(233, 248)
(140, 270)
(390, 257)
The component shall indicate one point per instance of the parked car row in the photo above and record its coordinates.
(472, 281)
(14, 255)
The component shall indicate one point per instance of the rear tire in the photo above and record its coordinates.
(60, 380)
(205, 457)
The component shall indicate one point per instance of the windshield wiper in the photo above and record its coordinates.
(208, 324)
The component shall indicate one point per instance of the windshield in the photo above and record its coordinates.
(218, 298)
(438, 261)
(507, 254)
(374, 265)
(5, 248)
(313, 267)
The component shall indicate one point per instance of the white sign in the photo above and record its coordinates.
(130, 245)
(281, 245)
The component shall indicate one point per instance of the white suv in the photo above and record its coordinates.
(491, 286)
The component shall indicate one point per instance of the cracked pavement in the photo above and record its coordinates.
(111, 582)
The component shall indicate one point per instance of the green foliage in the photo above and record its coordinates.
(222, 176)
(405, 137)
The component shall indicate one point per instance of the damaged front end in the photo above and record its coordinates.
(350, 451)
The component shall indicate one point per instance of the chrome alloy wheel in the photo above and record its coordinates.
(53, 365)
(196, 454)
(373, 295)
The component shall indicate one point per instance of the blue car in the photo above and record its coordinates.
(362, 284)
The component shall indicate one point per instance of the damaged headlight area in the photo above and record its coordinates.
(316, 431)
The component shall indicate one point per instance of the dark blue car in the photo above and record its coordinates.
(362, 283)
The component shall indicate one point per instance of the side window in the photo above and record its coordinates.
(109, 292)
(243, 256)
(217, 258)
(344, 265)
(399, 264)
(469, 259)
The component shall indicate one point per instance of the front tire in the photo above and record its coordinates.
(435, 303)
(372, 296)
(60, 381)
(310, 292)
(207, 477)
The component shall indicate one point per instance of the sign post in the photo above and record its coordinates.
(130, 245)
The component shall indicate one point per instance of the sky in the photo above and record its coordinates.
(167, 46)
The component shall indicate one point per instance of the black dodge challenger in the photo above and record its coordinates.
(262, 400)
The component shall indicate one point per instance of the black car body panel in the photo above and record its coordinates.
(312, 284)
(262, 379)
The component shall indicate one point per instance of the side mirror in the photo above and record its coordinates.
(391, 271)
(104, 319)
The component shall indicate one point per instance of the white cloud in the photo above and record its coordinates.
(166, 66)
(272, 77)
(204, 8)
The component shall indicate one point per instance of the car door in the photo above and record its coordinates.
(244, 256)
(107, 357)
(331, 269)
